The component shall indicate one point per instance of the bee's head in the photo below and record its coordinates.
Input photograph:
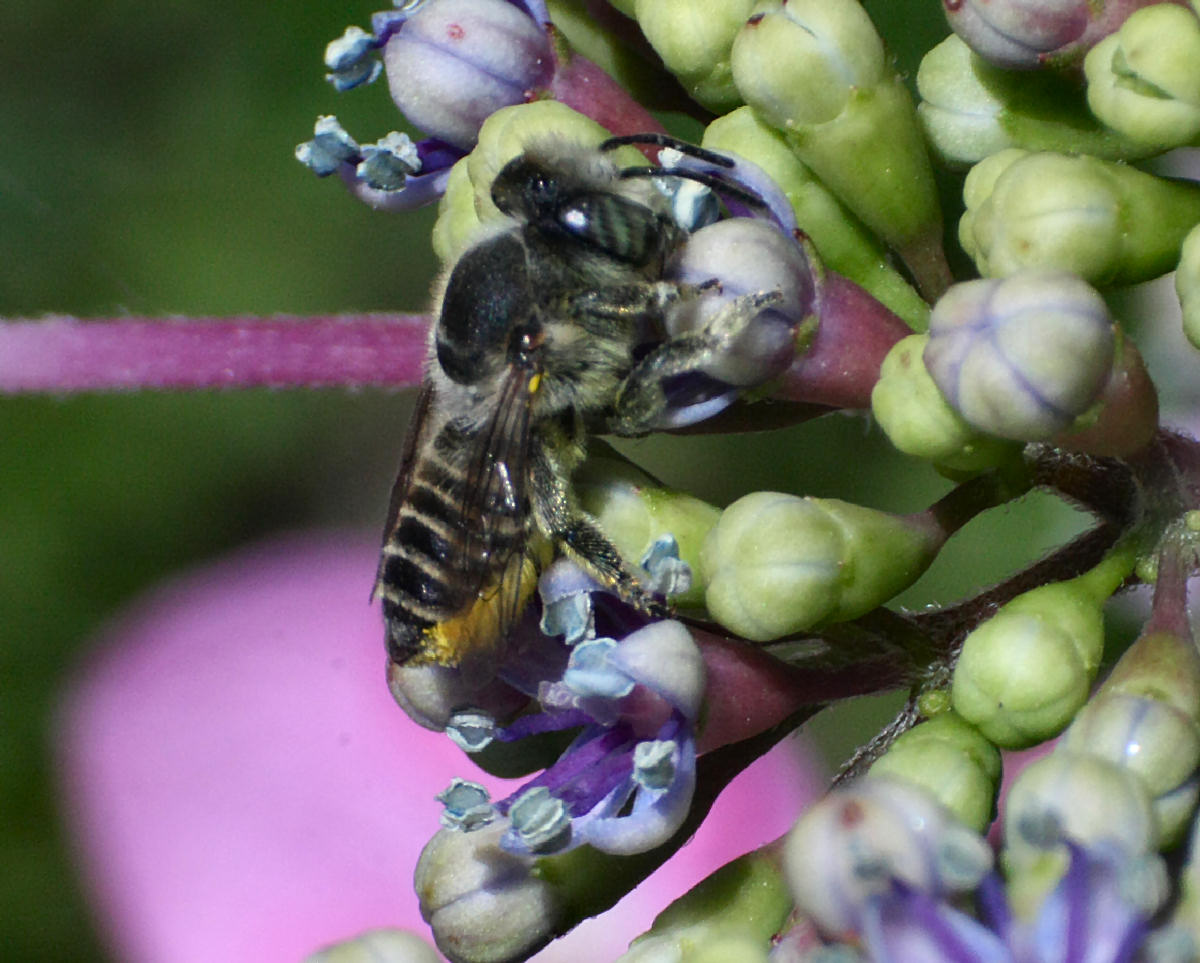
(535, 186)
(526, 189)
(577, 199)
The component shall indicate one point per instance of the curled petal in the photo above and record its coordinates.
(656, 814)
(664, 658)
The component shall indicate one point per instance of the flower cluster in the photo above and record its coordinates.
(804, 271)
(625, 782)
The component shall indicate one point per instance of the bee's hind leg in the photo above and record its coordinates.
(556, 510)
(642, 403)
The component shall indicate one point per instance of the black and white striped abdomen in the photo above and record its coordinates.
(457, 526)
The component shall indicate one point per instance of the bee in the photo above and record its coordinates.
(538, 342)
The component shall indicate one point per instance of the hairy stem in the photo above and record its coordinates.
(63, 355)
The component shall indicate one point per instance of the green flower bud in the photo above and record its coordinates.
(458, 221)
(485, 905)
(950, 759)
(467, 203)
(1143, 80)
(1187, 285)
(800, 63)
(777, 563)
(1072, 796)
(600, 40)
(1020, 357)
(700, 945)
(1145, 717)
(918, 420)
(1023, 674)
(695, 40)
(731, 915)
(970, 110)
(378, 946)
(841, 240)
(1108, 223)
(634, 511)
(1160, 665)
(815, 69)
(1156, 742)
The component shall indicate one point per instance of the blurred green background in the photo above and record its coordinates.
(147, 170)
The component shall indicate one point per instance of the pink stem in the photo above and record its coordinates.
(841, 365)
(750, 690)
(584, 87)
(1169, 612)
(64, 355)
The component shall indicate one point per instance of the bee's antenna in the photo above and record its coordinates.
(714, 182)
(666, 140)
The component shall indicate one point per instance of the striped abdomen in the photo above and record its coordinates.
(452, 567)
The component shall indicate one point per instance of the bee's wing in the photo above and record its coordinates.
(418, 427)
(496, 495)
(490, 570)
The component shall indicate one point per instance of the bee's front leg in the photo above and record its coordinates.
(641, 404)
(557, 513)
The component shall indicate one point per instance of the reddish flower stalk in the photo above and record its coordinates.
(854, 335)
(582, 86)
(64, 355)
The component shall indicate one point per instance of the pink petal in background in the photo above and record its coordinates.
(242, 787)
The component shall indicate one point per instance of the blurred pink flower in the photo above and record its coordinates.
(242, 787)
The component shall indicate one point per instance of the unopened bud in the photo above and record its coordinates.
(1187, 285)
(1109, 223)
(1143, 80)
(453, 63)
(731, 915)
(635, 511)
(483, 903)
(816, 70)
(971, 109)
(919, 421)
(378, 946)
(951, 760)
(1021, 357)
(695, 40)
(1023, 674)
(777, 563)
